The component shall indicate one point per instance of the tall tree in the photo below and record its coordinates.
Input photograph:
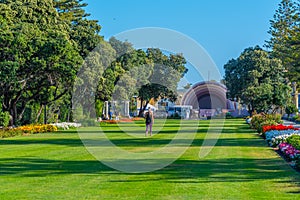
(120, 47)
(163, 80)
(38, 60)
(285, 39)
(91, 46)
(85, 32)
(150, 74)
(261, 84)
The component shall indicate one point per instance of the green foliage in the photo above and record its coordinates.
(285, 38)
(291, 109)
(294, 140)
(6, 133)
(261, 80)
(99, 107)
(43, 43)
(83, 31)
(297, 119)
(4, 118)
(121, 48)
(260, 120)
(36, 47)
(149, 74)
(90, 73)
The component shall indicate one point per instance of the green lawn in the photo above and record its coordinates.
(58, 166)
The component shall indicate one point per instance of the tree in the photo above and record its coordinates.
(149, 75)
(38, 60)
(285, 39)
(163, 80)
(90, 73)
(261, 84)
(83, 31)
(91, 46)
(126, 65)
(291, 109)
(120, 47)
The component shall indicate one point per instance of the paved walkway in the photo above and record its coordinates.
(286, 122)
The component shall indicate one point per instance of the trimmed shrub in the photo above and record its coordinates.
(260, 120)
(5, 133)
(33, 129)
(294, 140)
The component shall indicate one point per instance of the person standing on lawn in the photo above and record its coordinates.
(149, 119)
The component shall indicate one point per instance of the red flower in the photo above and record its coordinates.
(279, 127)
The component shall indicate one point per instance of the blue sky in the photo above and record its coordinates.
(224, 28)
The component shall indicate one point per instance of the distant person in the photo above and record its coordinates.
(149, 119)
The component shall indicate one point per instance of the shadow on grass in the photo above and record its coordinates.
(181, 171)
(42, 167)
(127, 141)
(136, 142)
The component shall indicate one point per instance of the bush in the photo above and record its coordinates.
(32, 129)
(228, 115)
(4, 119)
(297, 120)
(260, 120)
(291, 109)
(256, 121)
(294, 140)
(28, 129)
(5, 133)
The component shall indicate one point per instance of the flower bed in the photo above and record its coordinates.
(289, 151)
(275, 137)
(33, 129)
(66, 125)
(138, 119)
(279, 127)
(286, 138)
(259, 120)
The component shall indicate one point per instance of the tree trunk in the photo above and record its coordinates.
(143, 108)
(45, 113)
(22, 112)
(14, 113)
(39, 114)
(141, 113)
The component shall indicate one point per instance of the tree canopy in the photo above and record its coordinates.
(43, 43)
(147, 74)
(262, 79)
(285, 38)
(262, 85)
